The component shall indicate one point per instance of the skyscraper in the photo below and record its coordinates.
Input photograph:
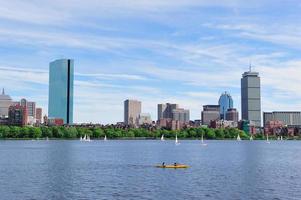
(250, 97)
(225, 102)
(5, 102)
(132, 110)
(165, 110)
(61, 78)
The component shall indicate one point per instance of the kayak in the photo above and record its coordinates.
(172, 166)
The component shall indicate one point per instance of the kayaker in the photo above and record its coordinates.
(175, 164)
(163, 164)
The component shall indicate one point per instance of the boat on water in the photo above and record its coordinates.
(86, 138)
(238, 138)
(105, 138)
(251, 138)
(177, 166)
(177, 142)
(281, 138)
(202, 141)
(162, 138)
(267, 141)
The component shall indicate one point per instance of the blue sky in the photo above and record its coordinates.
(179, 51)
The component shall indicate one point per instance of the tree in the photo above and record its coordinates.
(4, 131)
(57, 132)
(219, 133)
(97, 133)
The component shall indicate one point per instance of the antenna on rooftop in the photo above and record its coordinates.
(250, 66)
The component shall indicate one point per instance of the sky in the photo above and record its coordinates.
(178, 51)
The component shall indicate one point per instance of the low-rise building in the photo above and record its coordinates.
(223, 124)
(17, 115)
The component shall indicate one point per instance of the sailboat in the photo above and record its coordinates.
(278, 138)
(281, 138)
(238, 138)
(251, 138)
(162, 138)
(80, 139)
(202, 141)
(105, 139)
(267, 141)
(177, 142)
(88, 138)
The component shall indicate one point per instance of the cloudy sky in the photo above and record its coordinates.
(180, 51)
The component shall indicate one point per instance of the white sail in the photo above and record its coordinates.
(281, 138)
(238, 138)
(105, 139)
(202, 141)
(278, 138)
(251, 138)
(162, 138)
(267, 139)
(177, 142)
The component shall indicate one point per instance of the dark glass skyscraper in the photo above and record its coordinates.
(225, 102)
(60, 104)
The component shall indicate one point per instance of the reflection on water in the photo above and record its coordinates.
(124, 170)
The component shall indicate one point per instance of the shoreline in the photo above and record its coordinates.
(142, 138)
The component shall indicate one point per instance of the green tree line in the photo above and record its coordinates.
(7, 132)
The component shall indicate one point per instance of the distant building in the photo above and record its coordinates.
(223, 124)
(170, 116)
(225, 102)
(39, 115)
(232, 115)
(210, 113)
(181, 115)
(61, 79)
(132, 110)
(289, 118)
(5, 103)
(165, 110)
(247, 126)
(250, 97)
(144, 118)
(17, 115)
(31, 110)
(55, 122)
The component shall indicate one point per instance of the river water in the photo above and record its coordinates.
(125, 170)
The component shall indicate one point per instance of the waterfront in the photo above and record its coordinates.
(124, 170)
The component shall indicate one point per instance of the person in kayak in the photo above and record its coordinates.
(175, 164)
(163, 164)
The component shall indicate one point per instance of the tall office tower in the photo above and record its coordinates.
(250, 97)
(132, 110)
(5, 102)
(39, 115)
(165, 110)
(61, 78)
(210, 113)
(225, 102)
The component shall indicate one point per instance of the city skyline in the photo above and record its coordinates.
(156, 58)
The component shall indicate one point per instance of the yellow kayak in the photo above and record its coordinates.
(172, 166)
